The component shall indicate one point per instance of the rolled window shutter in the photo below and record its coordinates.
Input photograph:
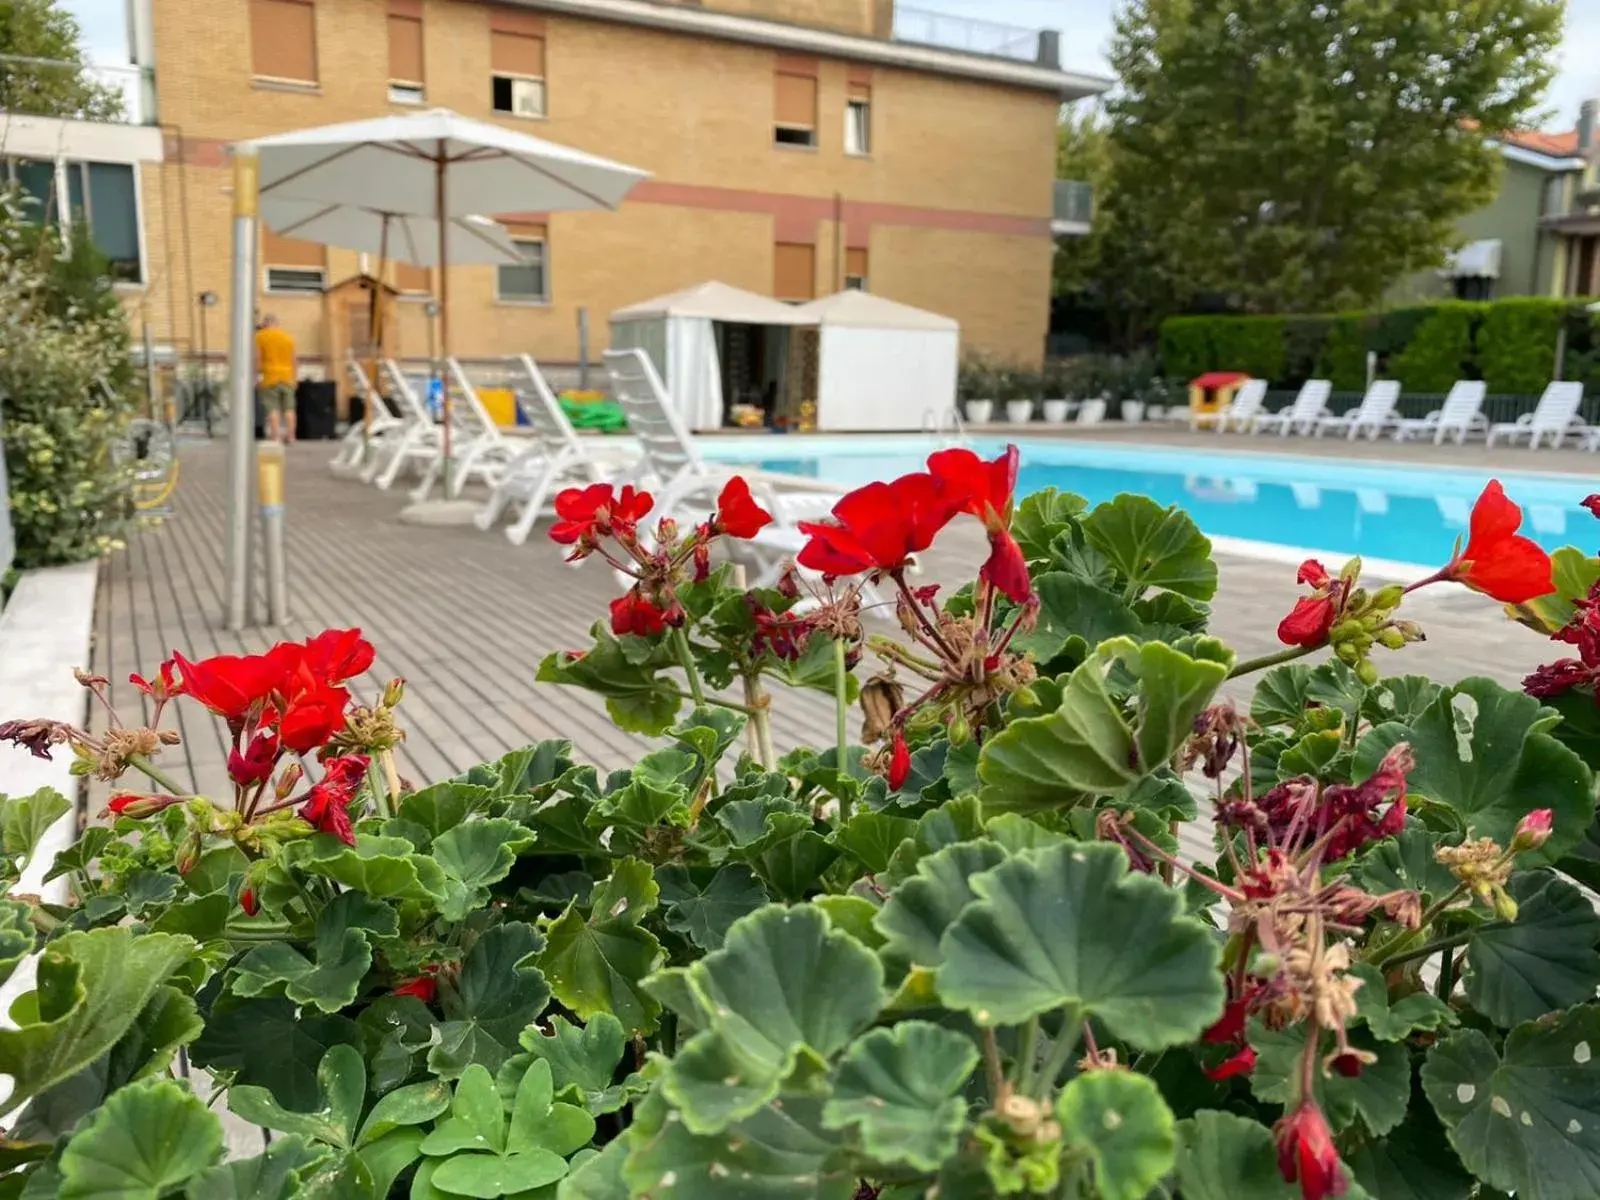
(516, 54)
(405, 49)
(283, 39)
(794, 271)
(290, 252)
(855, 263)
(797, 101)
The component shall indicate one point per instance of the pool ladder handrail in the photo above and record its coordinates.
(935, 421)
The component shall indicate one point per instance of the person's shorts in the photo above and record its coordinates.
(279, 398)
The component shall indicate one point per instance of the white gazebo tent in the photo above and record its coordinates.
(882, 365)
(678, 331)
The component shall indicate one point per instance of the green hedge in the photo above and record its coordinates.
(1510, 344)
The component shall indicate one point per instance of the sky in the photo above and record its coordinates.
(1085, 26)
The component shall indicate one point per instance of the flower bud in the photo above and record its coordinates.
(1366, 672)
(1351, 571)
(1504, 906)
(128, 804)
(393, 692)
(188, 852)
(1347, 654)
(287, 779)
(960, 730)
(666, 531)
(1533, 830)
(1391, 638)
(1388, 597)
(1410, 630)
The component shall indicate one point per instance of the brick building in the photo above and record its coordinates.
(796, 147)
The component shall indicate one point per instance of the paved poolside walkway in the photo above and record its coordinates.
(465, 617)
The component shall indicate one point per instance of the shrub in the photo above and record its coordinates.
(1438, 351)
(958, 955)
(1303, 339)
(1185, 346)
(1343, 360)
(65, 397)
(1517, 344)
(1254, 345)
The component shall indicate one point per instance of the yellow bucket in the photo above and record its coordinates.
(500, 404)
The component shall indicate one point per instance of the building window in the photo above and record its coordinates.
(795, 109)
(1554, 201)
(527, 282)
(405, 52)
(858, 120)
(794, 273)
(855, 270)
(283, 40)
(102, 199)
(293, 266)
(516, 56)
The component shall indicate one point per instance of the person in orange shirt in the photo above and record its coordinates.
(275, 360)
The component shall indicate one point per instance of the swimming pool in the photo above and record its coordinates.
(1401, 513)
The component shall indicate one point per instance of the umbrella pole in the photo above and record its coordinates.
(375, 339)
(440, 165)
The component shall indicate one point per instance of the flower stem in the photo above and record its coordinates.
(1438, 944)
(991, 1066)
(1060, 1053)
(380, 793)
(680, 642)
(1270, 660)
(717, 702)
(1027, 1054)
(841, 678)
(760, 719)
(140, 763)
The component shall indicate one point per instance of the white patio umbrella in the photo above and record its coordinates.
(437, 164)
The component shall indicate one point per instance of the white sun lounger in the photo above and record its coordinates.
(416, 442)
(477, 447)
(362, 434)
(1299, 417)
(1460, 416)
(553, 458)
(1375, 414)
(1553, 419)
(1244, 408)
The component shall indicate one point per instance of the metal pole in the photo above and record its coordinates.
(241, 383)
(149, 372)
(374, 335)
(583, 349)
(443, 213)
(269, 492)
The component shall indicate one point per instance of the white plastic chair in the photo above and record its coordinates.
(362, 434)
(1375, 414)
(417, 441)
(1301, 416)
(1460, 416)
(1555, 417)
(478, 449)
(553, 458)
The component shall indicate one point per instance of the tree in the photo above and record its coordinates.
(1284, 155)
(1082, 154)
(54, 83)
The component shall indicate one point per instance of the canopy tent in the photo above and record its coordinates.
(882, 365)
(679, 333)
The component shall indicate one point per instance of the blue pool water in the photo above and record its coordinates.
(1403, 513)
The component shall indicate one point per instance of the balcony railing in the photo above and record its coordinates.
(967, 34)
(46, 87)
(1074, 206)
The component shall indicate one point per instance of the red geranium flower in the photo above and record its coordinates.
(255, 764)
(1592, 503)
(338, 654)
(877, 527)
(738, 515)
(248, 902)
(586, 514)
(1314, 573)
(1306, 1153)
(230, 684)
(1497, 561)
(313, 714)
(1308, 622)
(132, 804)
(899, 762)
(424, 988)
(987, 490)
(633, 613)
(327, 804)
(1241, 1063)
(163, 687)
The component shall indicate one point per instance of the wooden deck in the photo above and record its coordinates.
(465, 618)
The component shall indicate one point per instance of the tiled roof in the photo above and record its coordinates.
(1556, 145)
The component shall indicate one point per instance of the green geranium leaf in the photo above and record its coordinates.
(1414, 1162)
(1406, 864)
(273, 1175)
(1091, 744)
(441, 807)
(655, 792)
(414, 1104)
(1226, 1157)
(1583, 861)
(1378, 1095)
(1286, 692)
(1394, 1021)
(791, 866)
(1069, 925)
(919, 911)
(637, 696)
(385, 867)
(781, 1152)
(1486, 752)
(1401, 698)
(24, 820)
(595, 962)
(341, 1088)
(1014, 833)
(527, 771)
(400, 1029)
(600, 1177)
(269, 1044)
(709, 732)
(147, 1139)
(901, 1090)
(1075, 616)
(583, 1057)
(91, 988)
(81, 855)
(1124, 1127)
(539, 1121)
(784, 989)
(1543, 961)
(498, 995)
(1041, 517)
(476, 1120)
(474, 855)
(702, 913)
(16, 935)
(1526, 1120)
(1153, 546)
(872, 838)
(341, 956)
(216, 870)
(382, 1160)
(1573, 573)
(853, 915)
